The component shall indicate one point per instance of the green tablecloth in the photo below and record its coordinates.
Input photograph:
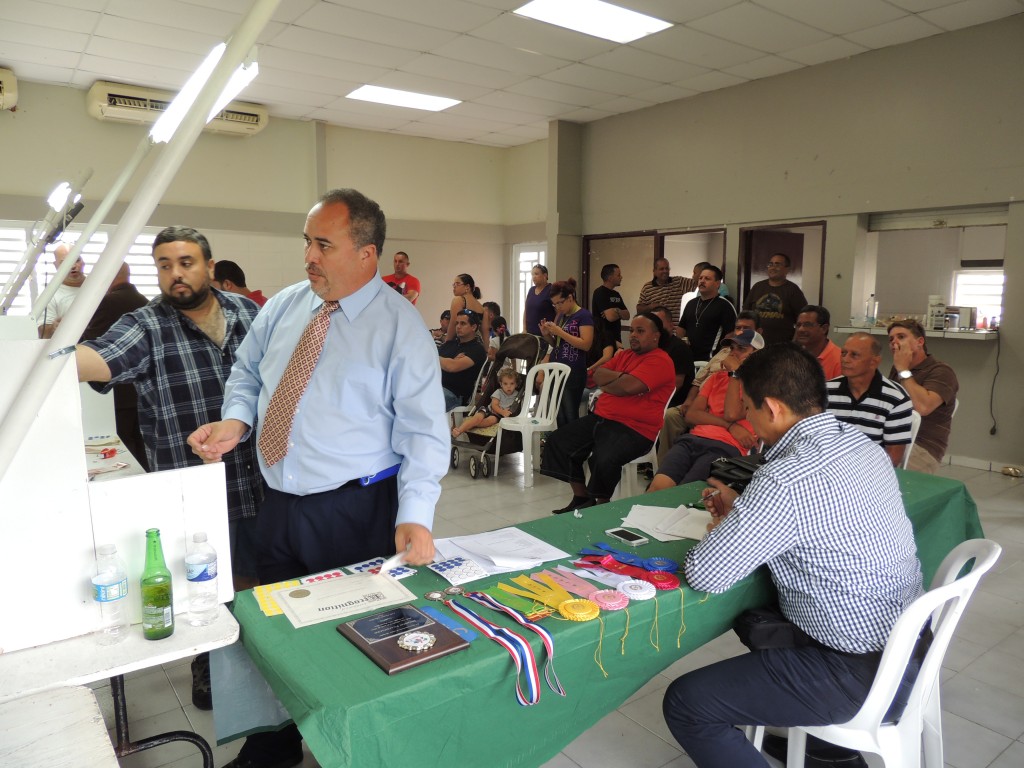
(461, 710)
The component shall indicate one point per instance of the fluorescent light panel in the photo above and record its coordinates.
(593, 17)
(398, 98)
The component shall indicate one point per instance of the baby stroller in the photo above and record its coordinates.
(519, 352)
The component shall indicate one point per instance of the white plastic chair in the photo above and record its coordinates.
(628, 483)
(915, 424)
(538, 418)
(900, 744)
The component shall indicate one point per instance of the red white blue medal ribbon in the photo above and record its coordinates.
(517, 647)
(550, 676)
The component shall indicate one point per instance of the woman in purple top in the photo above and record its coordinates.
(570, 335)
(538, 301)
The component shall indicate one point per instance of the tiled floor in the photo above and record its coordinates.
(982, 694)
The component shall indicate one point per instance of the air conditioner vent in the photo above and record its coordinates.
(133, 104)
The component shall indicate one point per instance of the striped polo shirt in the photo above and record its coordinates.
(882, 413)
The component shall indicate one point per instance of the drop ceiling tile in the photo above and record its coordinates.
(712, 81)
(470, 123)
(311, 64)
(697, 47)
(680, 12)
(45, 15)
(623, 104)
(454, 15)
(373, 108)
(587, 115)
(650, 66)
(269, 32)
(504, 5)
(261, 92)
(567, 94)
(586, 76)
(828, 50)
(406, 81)
(836, 16)
(484, 52)
(15, 53)
(43, 73)
(435, 131)
(475, 109)
(531, 35)
(535, 130)
(358, 120)
(499, 140)
(344, 48)
(283, 78)
(529, 104)
(756, 27)
(179, 15)
(664, 93)
(106, 48)
(767, 66)
(967, 14)
(85, 5)
(351, 23)
(462, 72)
(916, 6)
(33, 34)
(142, 33)
(895, 32)
(135, 73)
(291, 111)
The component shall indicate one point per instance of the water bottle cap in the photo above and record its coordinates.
(106, 549)
(199, 537)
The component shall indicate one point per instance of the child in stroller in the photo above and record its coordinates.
(505, 401)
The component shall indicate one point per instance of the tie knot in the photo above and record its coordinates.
(329, 306)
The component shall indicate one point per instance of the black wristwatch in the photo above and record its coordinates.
(734, 374)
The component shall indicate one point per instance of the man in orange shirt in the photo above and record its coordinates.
(812, 326)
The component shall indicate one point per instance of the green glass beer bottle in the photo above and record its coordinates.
(157, 596)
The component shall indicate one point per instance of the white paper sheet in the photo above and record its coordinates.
(501, 551)
(667, 523)
(308, 604)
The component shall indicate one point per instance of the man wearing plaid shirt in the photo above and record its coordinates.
(826, 516)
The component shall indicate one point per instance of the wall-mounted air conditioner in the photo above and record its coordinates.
(8, 89)
(133, 104)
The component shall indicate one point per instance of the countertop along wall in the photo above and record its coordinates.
(933, 123)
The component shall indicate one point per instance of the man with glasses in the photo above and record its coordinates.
(812, 326)
(461, 359)
(777, 300)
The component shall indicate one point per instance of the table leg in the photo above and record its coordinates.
(125, 746)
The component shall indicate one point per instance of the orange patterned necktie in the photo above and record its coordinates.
(277, 422)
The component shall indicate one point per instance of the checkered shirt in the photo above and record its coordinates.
(179, 374)
(826, 515)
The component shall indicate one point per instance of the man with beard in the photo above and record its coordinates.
(178, 351)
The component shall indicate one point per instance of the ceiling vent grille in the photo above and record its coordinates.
(132, 104)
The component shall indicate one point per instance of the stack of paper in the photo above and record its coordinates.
(667, 524)
(502, 551)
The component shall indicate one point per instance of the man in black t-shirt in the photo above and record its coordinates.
(777, 300)
(607, 305)
(708, 318)
(461, 359)
(682, 357)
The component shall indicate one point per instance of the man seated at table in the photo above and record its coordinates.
(825, 514)
(461, 359)
(865, 398)
(635, 386)
(717, 418)
(932, 386)
(812, 326)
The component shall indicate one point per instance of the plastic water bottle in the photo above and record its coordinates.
(201, 569)
(110, 588)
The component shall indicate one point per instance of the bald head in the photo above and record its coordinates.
(76, 276)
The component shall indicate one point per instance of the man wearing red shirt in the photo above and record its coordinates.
(635, 388)
(401, 280)
(812, 325)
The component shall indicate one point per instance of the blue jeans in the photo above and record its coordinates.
(451, 400)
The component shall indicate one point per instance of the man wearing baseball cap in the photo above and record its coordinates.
(717, 419)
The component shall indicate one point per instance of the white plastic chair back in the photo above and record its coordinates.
(899, 744)
(915, 424)
(538, 416)
(628, 485)
(699, 366)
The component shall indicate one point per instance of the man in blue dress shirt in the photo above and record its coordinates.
(368, 443)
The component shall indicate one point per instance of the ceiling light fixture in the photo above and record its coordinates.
(163, 129)
(397, 98)
(593, 17)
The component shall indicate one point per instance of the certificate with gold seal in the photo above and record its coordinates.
(308, 604)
